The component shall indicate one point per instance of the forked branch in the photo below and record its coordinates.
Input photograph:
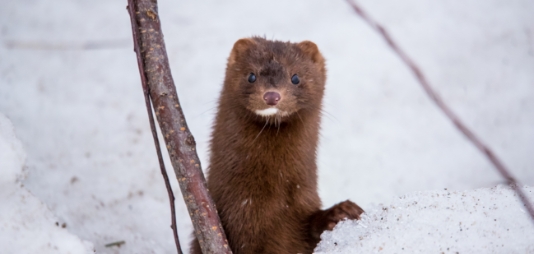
(159, 85)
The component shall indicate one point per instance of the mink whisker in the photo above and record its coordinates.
(266, 122)
(204, 112)
(299, 117)
(279, 122)
(277, 117)
(329, 115)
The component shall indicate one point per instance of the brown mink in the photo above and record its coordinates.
(263, 172)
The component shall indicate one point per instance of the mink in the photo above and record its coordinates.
(263, 173)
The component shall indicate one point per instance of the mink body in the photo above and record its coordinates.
(263, 172)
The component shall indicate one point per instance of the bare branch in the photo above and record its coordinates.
(505, 173)
(153, 130)
(154, 69)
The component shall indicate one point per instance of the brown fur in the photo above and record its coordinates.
(263, 173)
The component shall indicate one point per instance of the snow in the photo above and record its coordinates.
(26, 224)
(487, 220)
(69, 83)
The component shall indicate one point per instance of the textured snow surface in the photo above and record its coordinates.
(70, 84)
(26, 224)
(488, 220)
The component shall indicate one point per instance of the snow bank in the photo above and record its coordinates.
(489, 220)
(26, 224)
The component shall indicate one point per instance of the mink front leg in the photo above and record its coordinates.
(327, 219)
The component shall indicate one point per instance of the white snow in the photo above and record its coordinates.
(69, 83)
(488, 220)
(26, 224)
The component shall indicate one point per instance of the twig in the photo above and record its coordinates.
(505, 173)
(156, 76)
(118, 244)
(153, 129)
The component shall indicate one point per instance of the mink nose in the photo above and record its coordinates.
(271, 98)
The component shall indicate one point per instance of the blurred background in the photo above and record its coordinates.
(70, 84)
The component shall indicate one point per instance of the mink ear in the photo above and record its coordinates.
(310, 49)
(239, 49)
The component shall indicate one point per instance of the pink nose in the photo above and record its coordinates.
(271, 98)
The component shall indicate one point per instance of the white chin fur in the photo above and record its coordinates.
(267, 112)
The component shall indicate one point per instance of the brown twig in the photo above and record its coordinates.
(154, 69)
(153, 130)
(118, 244)
(505, 173)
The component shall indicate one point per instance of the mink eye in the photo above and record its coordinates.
(295, 79)
(251, 78)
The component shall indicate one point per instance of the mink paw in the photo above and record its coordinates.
(327, 219)
(344, 210)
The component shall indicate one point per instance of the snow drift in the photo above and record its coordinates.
(26, 224)
(489, 220)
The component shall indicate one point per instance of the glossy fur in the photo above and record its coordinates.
(263, 173)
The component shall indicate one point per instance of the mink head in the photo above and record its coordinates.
(274, 79)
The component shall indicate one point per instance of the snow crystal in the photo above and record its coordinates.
(490, 220)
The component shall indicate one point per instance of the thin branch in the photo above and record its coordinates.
(153, 129)
(157, 79)
(505, 173)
